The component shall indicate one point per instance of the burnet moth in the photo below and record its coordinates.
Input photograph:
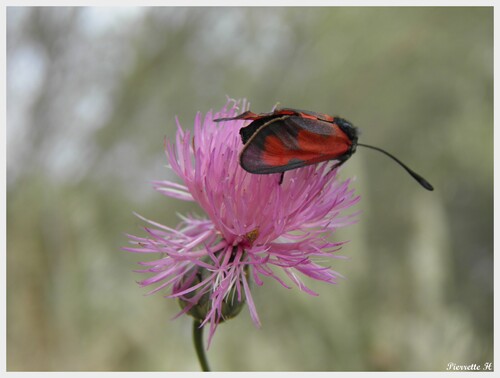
(287, 138)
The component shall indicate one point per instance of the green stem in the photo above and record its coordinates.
(198, 345)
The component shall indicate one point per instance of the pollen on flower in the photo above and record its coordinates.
(252, 235)
(253, 226)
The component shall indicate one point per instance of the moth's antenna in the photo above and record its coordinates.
(412, 173)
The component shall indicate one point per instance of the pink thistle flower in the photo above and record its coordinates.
(254, 228)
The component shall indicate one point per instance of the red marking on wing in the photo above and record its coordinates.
(312, 148)
(281, 112)
(316, 116)
(244, 116)
(304, 114)
(275, 153)
(335, 144)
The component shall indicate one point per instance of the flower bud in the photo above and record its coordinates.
(200, 301)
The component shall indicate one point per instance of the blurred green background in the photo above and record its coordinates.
(92, 92)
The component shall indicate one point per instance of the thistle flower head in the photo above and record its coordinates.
(254, 226)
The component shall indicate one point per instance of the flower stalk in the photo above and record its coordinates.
(198, 344)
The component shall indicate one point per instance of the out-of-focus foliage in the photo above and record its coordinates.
(92, 92)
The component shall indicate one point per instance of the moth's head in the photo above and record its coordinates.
(348, 129)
